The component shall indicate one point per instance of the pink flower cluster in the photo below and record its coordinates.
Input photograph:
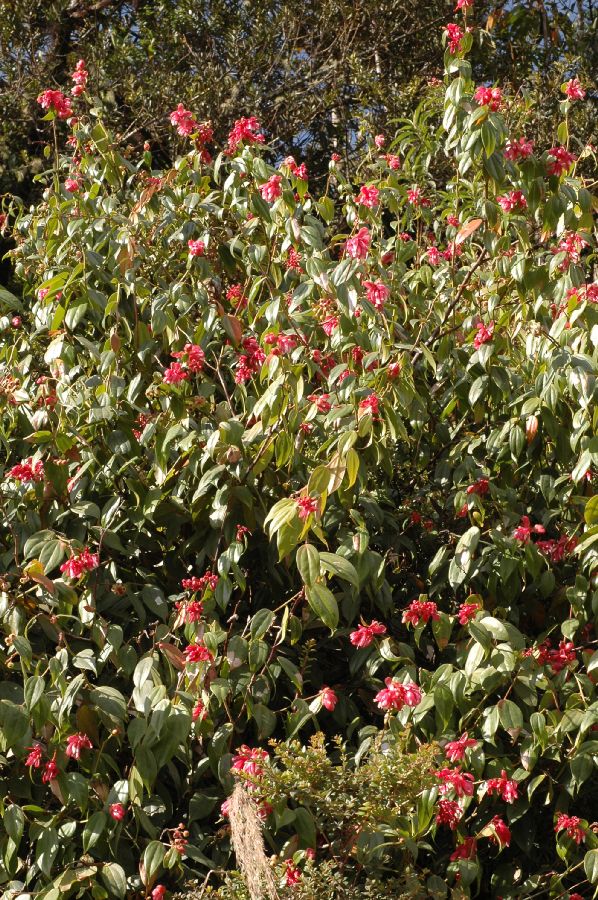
(415, 196)
(183, 120)
(56, 102)
(307, 506)
(272, 189)
(193, 359)
(80, 76)
(490, 97)
(504, 787)
(299, 171)
(201, 583)
(250, 362)
(420, 611)
(197, 652)
(249, 760)
(560, 161)
(512, 200)
(82, 562)
(571, 244)
(518, 149)
(453, 779)
(368, 196)
(557, 549)
(27, 471)
(525, 529)
(572, 826)
(455, 35)
(574, 90)
(483, 335)
(196, 248)
(236, 296)
(377, 293)
(357, 246)
(245, 130)
(467, 612)
(455, 750)
(364, 634)
(76, 743)
(397, 694)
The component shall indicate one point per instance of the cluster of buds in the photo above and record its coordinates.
(80, 76)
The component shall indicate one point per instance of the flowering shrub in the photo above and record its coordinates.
(273, 467)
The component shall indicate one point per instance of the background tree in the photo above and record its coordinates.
(312, 73)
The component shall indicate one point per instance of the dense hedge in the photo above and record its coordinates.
(289, 467)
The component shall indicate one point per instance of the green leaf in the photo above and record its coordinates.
(113, 876)
(308, 563)
(339, 566)
(323, 604)
(153, 857)
(93, 829)
(590, 865)
(46, 850)
(591, 511)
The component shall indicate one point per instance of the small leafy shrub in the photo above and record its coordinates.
(278, 464)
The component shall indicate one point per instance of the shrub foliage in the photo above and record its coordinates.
(280, 465)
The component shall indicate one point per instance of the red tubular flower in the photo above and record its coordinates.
(197, 652)
(449, 813)
(466, 850)
(480, 487)
(249, 760)
(34, 760)
(504, 787)
(82, 562)
(245, 130)
(455, 750)
(357, 247)
(574, 90)
(420, 611)
(398, 694)
(272, 189)
(292, 874)
(502, 832)
(490, 97)
(306, 506)
(159, 892)
(368, 196)
(364, 635)
(455, 35)
(51, 771)
(27, 471)
(377, 293)
(467, 612)
(174, 374)
(56, 102)
(329, 698)
(460, 782)
(199, 711)
(484, 334)
(76, 743)
(184, 121)
(512, 200)
(117, 811)
(560, 161)
(518, 149)
(525, 529)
